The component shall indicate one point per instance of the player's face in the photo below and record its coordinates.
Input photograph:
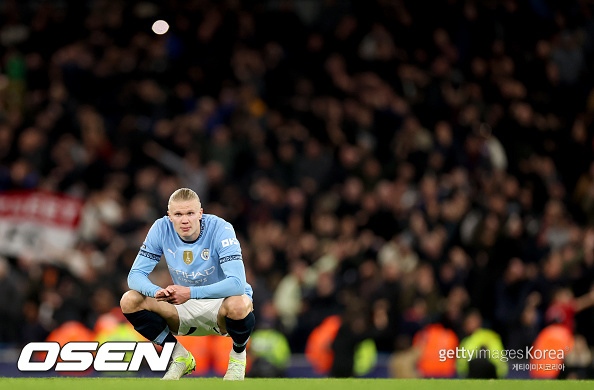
(185, 216)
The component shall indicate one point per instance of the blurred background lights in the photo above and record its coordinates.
(160, 27)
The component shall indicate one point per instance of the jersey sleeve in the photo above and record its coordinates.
(229, 254)
(147, 259)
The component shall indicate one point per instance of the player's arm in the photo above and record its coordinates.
(233, 284)
(231, 263)
(227, 287)
(147, 259)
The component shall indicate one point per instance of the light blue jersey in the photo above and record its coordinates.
(212, 265)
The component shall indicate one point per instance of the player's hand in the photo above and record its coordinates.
(177, 294)
(162, 295)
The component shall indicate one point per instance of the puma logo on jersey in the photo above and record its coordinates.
(172, 252)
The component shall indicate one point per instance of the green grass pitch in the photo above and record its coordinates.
(284, 384)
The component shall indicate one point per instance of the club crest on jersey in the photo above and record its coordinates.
(205, 254)
(188, 257)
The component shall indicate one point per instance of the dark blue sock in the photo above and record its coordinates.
(152, 326)
(240, 331)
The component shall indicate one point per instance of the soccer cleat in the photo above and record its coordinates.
(235, 369)
(179, 367)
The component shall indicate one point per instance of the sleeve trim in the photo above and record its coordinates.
(230, 258)
(149, 255)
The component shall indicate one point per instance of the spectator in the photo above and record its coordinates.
(427, 163)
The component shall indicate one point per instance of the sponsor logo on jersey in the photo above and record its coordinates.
(229, 241)
(188, 257)
(191, 276)
(205, 254)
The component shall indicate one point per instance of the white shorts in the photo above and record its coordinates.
(198, 317)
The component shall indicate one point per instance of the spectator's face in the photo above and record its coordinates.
(185, 216)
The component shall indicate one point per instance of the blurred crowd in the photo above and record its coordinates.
(398, 163)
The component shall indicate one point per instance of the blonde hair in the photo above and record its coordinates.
(181, 195)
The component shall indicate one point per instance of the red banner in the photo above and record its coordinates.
(36, 223)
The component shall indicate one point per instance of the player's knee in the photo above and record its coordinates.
(237, 308)
(131, 301)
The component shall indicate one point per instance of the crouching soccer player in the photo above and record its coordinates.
(209, 296)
